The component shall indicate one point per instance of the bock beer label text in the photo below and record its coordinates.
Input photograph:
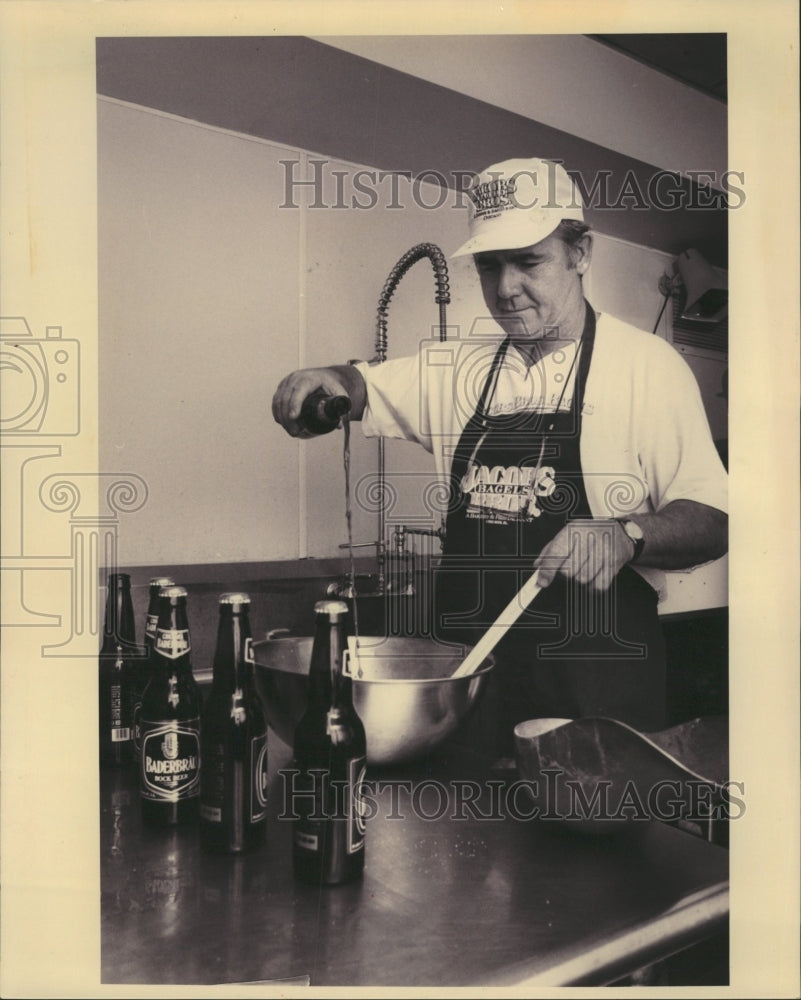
(172, 642)
(169, 766)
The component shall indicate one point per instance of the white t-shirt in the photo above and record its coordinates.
(645, 439)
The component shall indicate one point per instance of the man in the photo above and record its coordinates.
(578, 447)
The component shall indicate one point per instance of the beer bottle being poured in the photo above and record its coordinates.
(233, 741)
(169, 765)
(321, 413)
(330, 757)
(116, 674)
(144, 664)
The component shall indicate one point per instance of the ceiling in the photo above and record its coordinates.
(698, 60)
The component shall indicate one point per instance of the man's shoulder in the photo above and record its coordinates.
(629, 341)
(612, 326)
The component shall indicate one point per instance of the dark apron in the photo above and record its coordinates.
(516, 481)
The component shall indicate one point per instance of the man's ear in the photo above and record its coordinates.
(582, 253)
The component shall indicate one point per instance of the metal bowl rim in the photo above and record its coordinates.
(485, 668)
(481, 671)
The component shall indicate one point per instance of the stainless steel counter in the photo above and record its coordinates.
(458, 890)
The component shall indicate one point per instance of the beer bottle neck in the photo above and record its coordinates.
(119, 629)
(326, 662)
(231, 670)
(151, 622)
(152, 617)
(171, 645)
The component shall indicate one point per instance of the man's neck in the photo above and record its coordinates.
(569, 334)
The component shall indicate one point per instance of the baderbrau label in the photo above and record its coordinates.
(172, 642)
(357, 811)
(258, 778)
(169, 765)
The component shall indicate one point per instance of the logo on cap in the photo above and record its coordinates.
(490, 196)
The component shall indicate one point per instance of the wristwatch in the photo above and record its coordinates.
(634, 532)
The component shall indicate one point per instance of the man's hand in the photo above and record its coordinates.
(683, 534)
(590, 551)
(339, 380)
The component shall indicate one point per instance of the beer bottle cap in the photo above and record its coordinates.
(119, 580)
(236, 597)
(330, 608)
(161, 581)
(174, 593)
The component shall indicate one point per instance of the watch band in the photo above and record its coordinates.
(634, 533)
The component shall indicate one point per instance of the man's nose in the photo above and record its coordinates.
(508, 282)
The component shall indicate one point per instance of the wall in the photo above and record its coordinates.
(194, 268)
(209, 293)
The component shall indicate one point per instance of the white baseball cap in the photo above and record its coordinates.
(518, 203)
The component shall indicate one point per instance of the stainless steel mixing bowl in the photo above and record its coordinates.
(406, 697)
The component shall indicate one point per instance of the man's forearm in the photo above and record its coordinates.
(682, 535)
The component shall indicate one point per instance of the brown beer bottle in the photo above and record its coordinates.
(330, 759)
(144, 664)
(116, 674)
(321, 413)
(169, 765)
(233, 741)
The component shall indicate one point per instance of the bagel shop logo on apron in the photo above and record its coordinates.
(510, 492)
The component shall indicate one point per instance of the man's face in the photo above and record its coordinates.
(535, 289)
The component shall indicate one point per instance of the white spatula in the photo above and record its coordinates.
(513, 610)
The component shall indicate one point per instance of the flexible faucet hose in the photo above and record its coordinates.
(442, 297)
